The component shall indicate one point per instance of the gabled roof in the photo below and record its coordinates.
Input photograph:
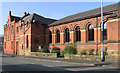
(39, 18)
(83, 15)
(15, 17)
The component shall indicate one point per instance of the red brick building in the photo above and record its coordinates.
(82, 30)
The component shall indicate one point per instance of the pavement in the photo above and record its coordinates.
(26, 64)
(71, 61)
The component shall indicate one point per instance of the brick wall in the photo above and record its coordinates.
(112, 29)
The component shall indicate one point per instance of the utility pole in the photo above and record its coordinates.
(102, 54)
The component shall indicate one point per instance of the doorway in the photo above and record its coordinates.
(17, 47)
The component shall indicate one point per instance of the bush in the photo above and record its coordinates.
(45, 49)
(56, 50)
(99, 52)
(105, 51)
(69, 50)
(90, 51)
(82, 51)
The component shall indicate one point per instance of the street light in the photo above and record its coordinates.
(102, 54)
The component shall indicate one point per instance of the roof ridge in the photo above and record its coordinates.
(88, 10)
(43, 16)
(15, 16)
(78, 15)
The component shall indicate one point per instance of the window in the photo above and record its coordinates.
(21, 26)
(67, 39)
(17, 29)
(105, 31)
(90, 33)
(12, 29)
(58, 36)
(27, 41)
(22, 46)
(50, 37)
(12, 46)
(5, 45)
(78, 34)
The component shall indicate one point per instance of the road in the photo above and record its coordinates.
(20, 63)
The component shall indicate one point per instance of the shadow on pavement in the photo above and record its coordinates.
(100, 64)
(113, 70)
(29, 67)
(76, 66)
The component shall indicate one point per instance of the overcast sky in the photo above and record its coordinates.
(55, 10)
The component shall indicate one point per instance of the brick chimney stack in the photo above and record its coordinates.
(9, 13)
(25, 13)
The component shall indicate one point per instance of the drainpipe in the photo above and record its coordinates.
(53, 36)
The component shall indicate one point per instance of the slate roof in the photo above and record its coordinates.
(39, 18)
(32, 17)
(16, 18)
(86, 14)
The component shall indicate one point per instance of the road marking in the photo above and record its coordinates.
(32, 63)
(71, 69)
(48, 65)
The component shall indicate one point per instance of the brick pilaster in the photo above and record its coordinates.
(62, 38)
(83, 35)
(72, 36)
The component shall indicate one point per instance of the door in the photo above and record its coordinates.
(17, 47)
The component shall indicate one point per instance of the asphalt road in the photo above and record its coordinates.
(19, 63)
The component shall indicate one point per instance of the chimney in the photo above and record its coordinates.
(25, 14)
(10, 13)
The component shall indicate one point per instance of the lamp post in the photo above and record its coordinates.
(102, 54)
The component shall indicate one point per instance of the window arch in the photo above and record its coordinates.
(105, 31)
(58, 36)
(78, 34)
(90, 33)
(50, 37)
(67, 35)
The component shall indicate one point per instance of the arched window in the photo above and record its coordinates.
(105, 31)
(12, 29)
(78, 34)
(90, 33)
(27, 41)
(67, 36)
(50, 37)
(58, 36)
